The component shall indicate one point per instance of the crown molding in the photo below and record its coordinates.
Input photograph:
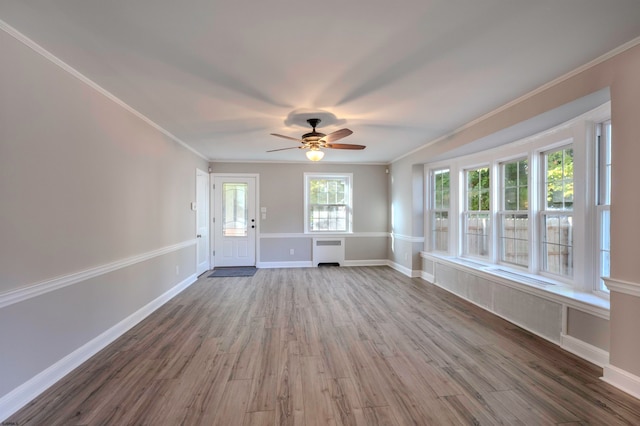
(86, 80)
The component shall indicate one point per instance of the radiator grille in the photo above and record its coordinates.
(328, 250)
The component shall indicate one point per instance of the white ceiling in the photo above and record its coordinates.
(222, 75)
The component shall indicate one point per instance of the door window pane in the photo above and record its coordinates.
(234, 210)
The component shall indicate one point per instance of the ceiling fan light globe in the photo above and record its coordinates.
(315, 155)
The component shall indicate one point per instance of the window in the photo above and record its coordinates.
(440, 210)
(557, 213)
(328, 202)
(536, 210)
(604, 201)
(477, 215)
(514, 213)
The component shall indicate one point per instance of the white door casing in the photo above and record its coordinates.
(235, 223)
(202, 222)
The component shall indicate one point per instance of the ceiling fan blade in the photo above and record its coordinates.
(282, 149)
(286, 137)
(344, 146)
(338, 134)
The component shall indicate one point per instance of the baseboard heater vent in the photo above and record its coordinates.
(328, 251)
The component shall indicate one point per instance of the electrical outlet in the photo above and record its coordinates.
(292, 252)
(177, 269)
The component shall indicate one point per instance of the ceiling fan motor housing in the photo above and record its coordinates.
(313, 136)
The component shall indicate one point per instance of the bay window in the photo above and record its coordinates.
(536, 210)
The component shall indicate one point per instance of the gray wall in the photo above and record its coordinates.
(282, 193)
(83, 183)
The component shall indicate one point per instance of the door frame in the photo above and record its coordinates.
(212, 236)
(207, 203)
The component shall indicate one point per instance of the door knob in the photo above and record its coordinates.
(198, 236)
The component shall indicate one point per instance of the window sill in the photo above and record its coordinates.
(539, 285)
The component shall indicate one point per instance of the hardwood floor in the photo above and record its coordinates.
(328, 346)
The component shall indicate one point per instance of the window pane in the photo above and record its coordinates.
(441, 231)
(476, 234)
(234, 209)
(523, 198)
(327, 191)
(445, 198)
(328, 218)
(605, 247)
(514, 185)
(514, 239)
(510, 175)
(511, 198)
(557, 247)
(559, 179)
(478, 189)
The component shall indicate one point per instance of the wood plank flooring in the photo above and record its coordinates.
(328, 346)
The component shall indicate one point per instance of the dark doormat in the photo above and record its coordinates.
(234, 271)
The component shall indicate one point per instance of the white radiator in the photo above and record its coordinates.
(328, 250)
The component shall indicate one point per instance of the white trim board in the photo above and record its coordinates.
(327, 235)
(620, 286)
(584, 350)
(20, 396)
(411, 273)
(291, 264)
(37, 289)
(409, 238)
(309, 264)
(622, 380)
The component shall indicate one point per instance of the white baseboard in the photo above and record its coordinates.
(293, 264)
(584, 350)
(404, 270)
(20, 396)
(622, 379)
(372, 262)
(309, 264)
(427, 277)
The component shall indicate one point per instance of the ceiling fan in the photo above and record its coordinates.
(314, 141)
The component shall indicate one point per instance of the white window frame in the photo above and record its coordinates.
(603, 203)
(348, 178)
(503, 213)
(544, 212)
(467, 213)
(435, 210)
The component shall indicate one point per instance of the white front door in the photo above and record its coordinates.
(235, 224)
(202, 221)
